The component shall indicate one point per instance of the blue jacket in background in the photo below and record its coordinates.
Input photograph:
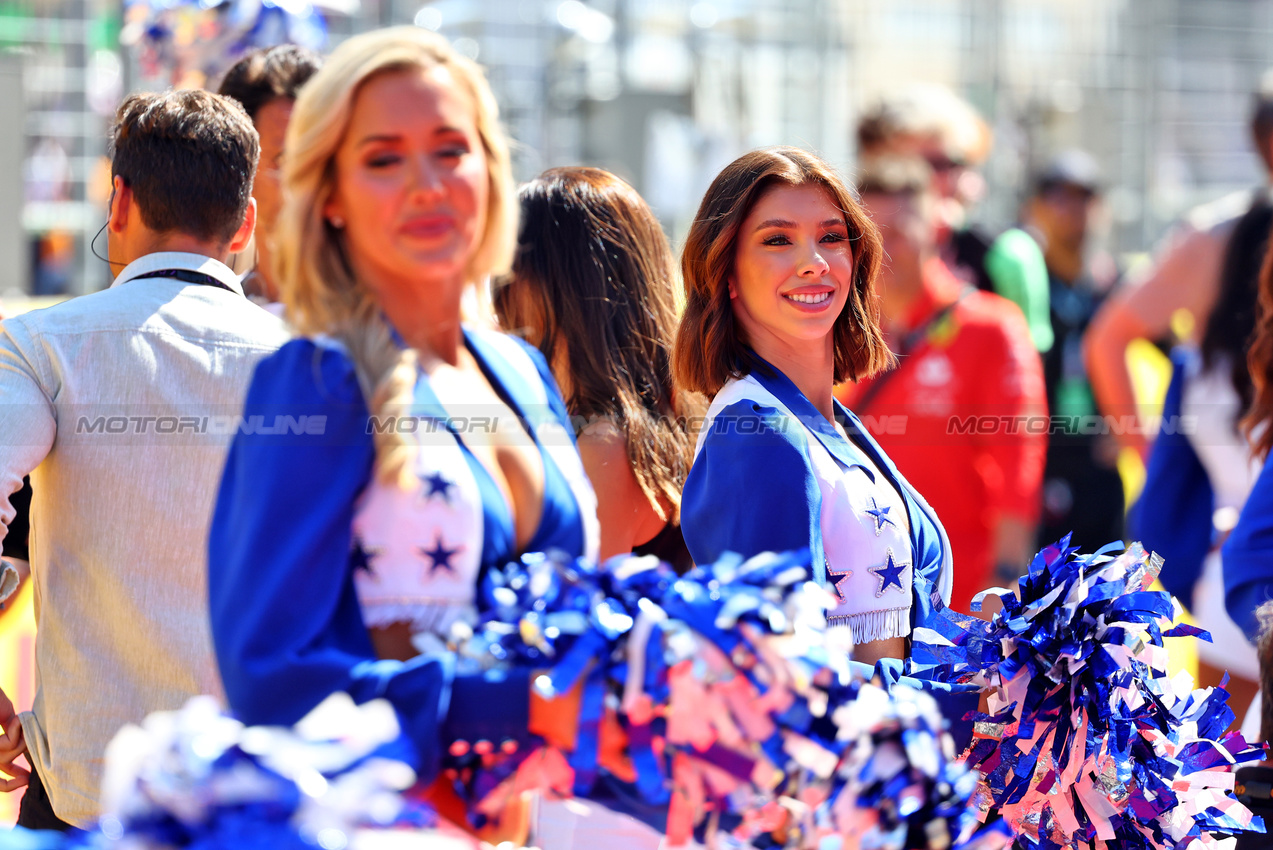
(1173, 515)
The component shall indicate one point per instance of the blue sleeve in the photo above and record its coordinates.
(1248, 557)
(1173, 514)
(285, 618)
(751, 489)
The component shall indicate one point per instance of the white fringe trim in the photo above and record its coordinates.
(421, 616)
(875, 625)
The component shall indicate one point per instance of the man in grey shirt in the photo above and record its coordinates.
(120, 405)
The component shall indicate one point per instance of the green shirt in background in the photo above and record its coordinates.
(1016, 267)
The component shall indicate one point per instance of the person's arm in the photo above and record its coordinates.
(1247, 557)
(12, 745)
(28, 426)
(1016, 266)
(750, 490)
(285, 619)
(1186, 276)
(1014, 387)
(627, 518)
(28, 422)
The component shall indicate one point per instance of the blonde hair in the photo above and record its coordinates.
(318, 286)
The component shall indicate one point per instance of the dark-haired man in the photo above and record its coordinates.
(936, 125)
(266, 82)
(964, 412)
(116, 404)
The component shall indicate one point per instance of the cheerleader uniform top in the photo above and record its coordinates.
(770, 473)
(307, 550)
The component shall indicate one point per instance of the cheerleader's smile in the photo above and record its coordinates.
(811, 299)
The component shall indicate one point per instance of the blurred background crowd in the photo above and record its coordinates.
(1058, 153)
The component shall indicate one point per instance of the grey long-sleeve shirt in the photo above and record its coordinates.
(121, 405)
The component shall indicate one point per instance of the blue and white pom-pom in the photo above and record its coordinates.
(740, 710)
(903, 785)
(196, 778)
(1089, 741)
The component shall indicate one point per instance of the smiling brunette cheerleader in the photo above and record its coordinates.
(779, 271)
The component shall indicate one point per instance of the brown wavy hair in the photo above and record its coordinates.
(592, 282)
(1259, 359)
(710, 348)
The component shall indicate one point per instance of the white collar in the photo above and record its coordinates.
(162, 260)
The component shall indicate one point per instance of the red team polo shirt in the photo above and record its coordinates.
(964, 418)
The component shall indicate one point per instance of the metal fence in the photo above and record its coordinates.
(665, 92)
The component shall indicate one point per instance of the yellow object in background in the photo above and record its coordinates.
(1182, 652)
(17, 671)
(1150, 372)
(1183, 324)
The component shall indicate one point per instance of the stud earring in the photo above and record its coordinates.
(337, 222)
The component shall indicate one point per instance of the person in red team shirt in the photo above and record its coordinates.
(964, 414)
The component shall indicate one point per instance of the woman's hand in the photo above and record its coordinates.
(12, 745)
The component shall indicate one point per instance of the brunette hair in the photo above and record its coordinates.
(265, 75)
(188, 157)
(318, 285)
(1264, 653)
(1257, 424)
(1262, 118)
(592, 280)
(710, 348)
(1230, 327)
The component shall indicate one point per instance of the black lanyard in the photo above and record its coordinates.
(910, 342)
(188, 276)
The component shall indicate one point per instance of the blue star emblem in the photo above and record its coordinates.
(840, 579)
(438, 485)
(889, 573)
(361, 557)
(880, 515)
(440, 556)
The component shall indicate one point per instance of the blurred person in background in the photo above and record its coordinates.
(965, 360)
(1201, 467)
(591, 288)
(1206, 268)
(121, 574)
(1247, 551)
(266, 82)
(934, 124)
(1082, 490)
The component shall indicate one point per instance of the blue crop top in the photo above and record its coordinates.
(306, 549)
